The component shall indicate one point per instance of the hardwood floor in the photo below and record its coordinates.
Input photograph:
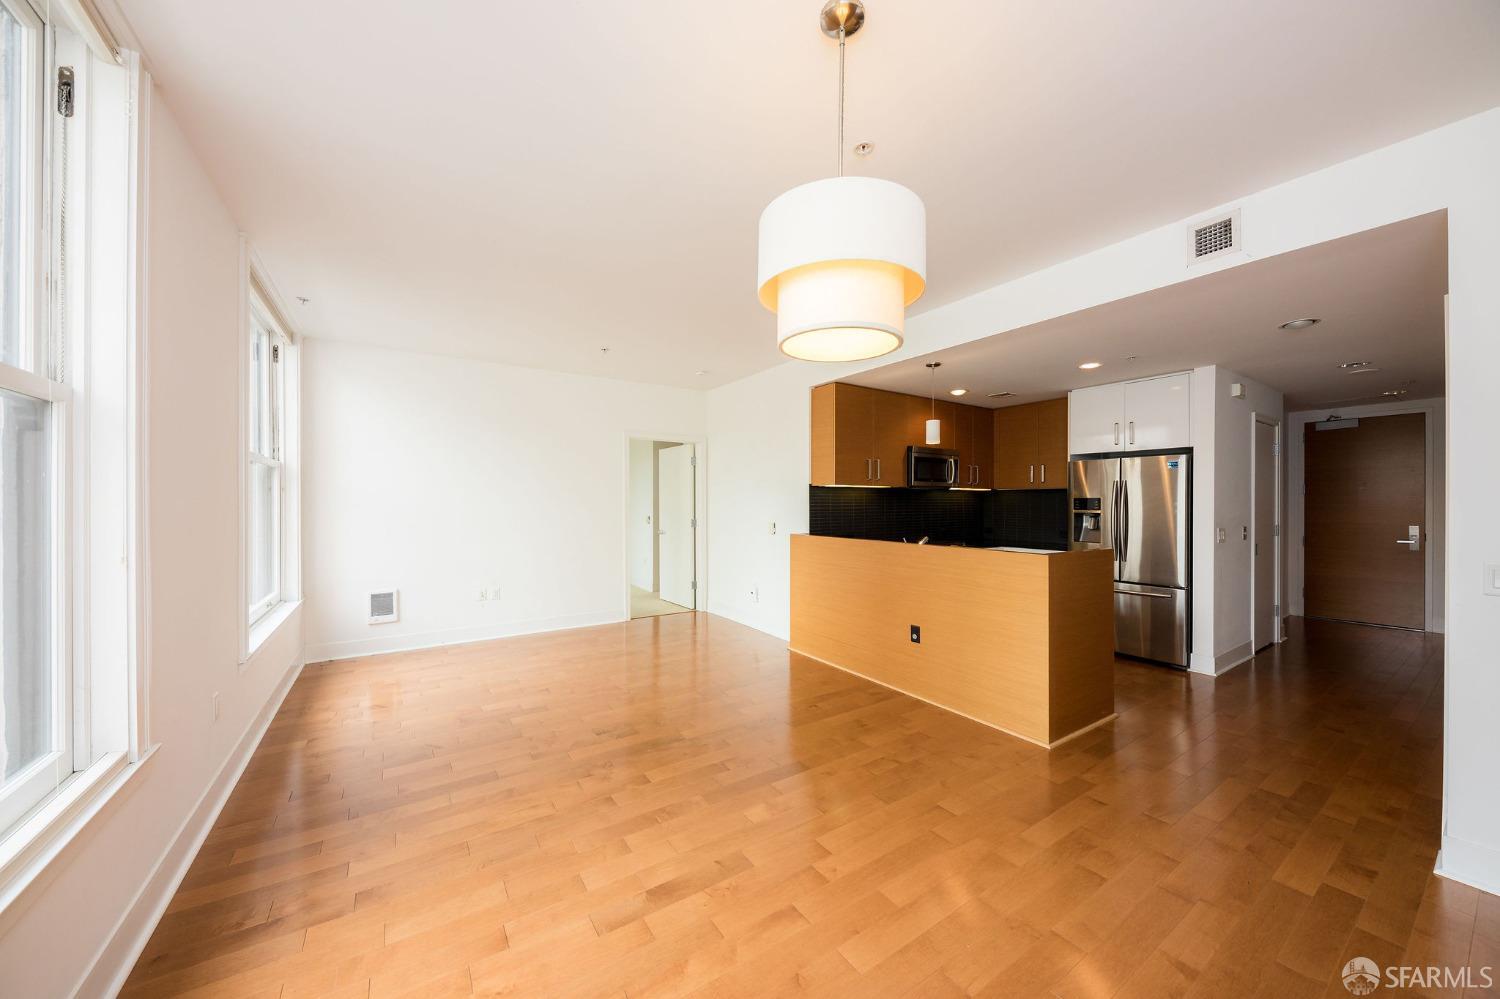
(677, 805)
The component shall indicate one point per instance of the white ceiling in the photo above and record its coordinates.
(530, 182)
(1378, 294)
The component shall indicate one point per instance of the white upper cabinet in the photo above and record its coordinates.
(1157, 413)
(1146, 415)
(1096, 419)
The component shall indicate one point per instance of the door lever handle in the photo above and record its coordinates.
(1413, 538)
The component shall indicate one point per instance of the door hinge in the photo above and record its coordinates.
(693, 522)
(1275, 610)
(693, 585)
(65, 91)
(275, 352)
(693, 460)
(1276, 531)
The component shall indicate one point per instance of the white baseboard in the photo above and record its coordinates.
(1473, 864)
(745, 616)
(116, 958)
(378, 644)
(1221, 663)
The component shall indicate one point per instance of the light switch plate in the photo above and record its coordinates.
(1492, 579)
(1221, 536)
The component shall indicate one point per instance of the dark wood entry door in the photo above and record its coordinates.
(1366, 490)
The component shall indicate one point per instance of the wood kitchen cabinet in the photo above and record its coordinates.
(1031, 446)
(860, 435)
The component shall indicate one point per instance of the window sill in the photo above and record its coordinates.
(268, 624)
(29, 854)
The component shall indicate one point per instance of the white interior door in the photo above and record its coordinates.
(674, 523)
(1263, 552)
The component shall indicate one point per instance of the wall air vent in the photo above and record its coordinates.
(1214, 237)
(1001, 395)
(383, 607)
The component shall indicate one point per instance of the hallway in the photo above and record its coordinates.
(679, 804)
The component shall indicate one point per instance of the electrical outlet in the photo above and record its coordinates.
(1244, 533)
(1221, 535)
(773, 527)
(916, 634)
(216, 705)
(484, 594)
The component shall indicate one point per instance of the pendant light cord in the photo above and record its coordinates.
(841, 100)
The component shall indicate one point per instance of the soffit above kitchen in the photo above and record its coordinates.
(531, 183)
(1377, 296)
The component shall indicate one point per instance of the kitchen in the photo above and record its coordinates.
(947, 533)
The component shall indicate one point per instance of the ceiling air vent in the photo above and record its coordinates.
(383, 607)
(1214, 237)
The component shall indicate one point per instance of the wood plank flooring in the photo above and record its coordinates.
(678, 806)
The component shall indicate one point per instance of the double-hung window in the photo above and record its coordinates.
(266, 480)
(35, 701)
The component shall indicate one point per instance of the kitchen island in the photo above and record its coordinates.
(1020, 640)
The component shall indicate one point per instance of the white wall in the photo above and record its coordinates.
(1437, 533)
(105, 891)
(760, 433)
(441, 476)
(1233, 442)
(640, 531)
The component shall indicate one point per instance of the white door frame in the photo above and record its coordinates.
(700, 512)
(1278, 631)
(1436, 485)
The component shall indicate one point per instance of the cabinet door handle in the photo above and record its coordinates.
(1030, 473)
(877, 469)
(1117, 435)
(1044, 473)
(1132, 431)
(869, 469)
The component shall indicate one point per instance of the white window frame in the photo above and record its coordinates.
(45, 775)
(262, 324)
(263, 309)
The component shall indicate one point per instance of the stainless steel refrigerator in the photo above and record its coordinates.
(1138, 506)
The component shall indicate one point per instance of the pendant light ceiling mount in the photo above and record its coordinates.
(841, 258)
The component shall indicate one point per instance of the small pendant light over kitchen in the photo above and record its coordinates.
(842, 258)
(934, 425)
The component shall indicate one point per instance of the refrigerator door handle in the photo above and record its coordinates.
(1114, 511)
(1124, 521)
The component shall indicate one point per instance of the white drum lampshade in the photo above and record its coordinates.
(840, 260)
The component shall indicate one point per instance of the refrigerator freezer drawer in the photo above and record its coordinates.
(1151, 622)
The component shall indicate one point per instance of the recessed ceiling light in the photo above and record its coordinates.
(864, 149)
(1089, 365)
(958, 391)
(1300, 324)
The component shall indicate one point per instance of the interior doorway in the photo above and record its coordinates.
(662, 524)
(1365, 520)
(1265, 547)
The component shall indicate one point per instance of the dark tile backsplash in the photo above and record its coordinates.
(1025, 518)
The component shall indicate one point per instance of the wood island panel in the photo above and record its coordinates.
(1003, 633)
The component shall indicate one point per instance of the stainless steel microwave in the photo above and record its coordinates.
(931, 468)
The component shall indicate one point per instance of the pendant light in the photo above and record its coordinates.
(934, 425)
(842, 258)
